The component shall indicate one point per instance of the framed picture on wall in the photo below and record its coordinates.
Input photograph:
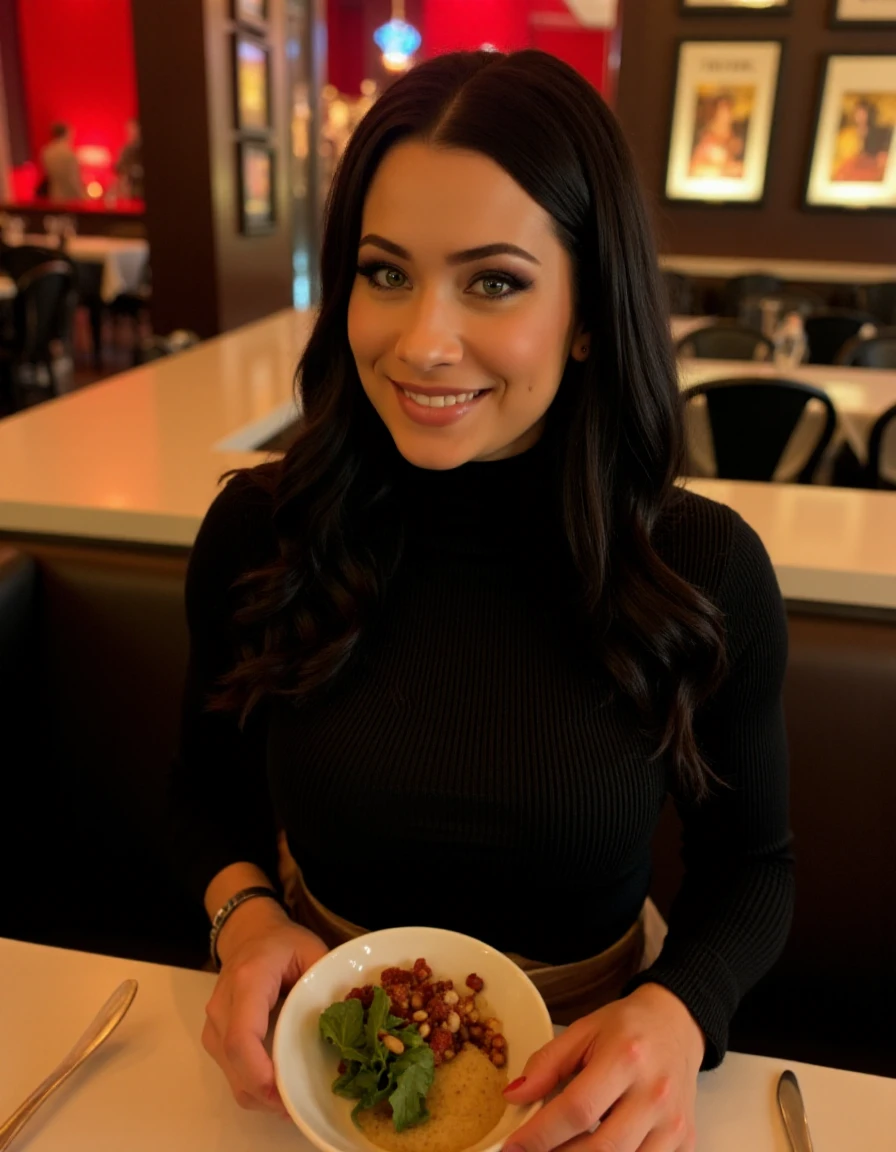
(256, 163)
(864, 13)
(251, 83)
(853, 163)
(722, 114)
(735, 7)
(250, 11)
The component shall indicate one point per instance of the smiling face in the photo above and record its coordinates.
(461, 315)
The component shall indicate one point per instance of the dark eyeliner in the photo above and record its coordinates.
(369, 269)
(517, 283)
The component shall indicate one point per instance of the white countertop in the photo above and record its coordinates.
(138, 458)
(152, 1088)
(806, 271)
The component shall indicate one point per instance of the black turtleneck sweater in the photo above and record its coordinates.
(469, 769)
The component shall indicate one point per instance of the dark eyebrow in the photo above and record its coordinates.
(466, 257)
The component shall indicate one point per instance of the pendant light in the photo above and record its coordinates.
(397, 40)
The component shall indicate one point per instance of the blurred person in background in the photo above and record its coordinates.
(129, 167)
(62, 175)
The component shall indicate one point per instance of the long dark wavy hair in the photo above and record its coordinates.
(618, 415)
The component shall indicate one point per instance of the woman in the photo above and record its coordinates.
(477, 635)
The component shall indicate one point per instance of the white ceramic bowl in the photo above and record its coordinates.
(305, 1065)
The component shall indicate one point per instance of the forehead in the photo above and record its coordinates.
(428, 198)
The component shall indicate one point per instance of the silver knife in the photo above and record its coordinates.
(793, 1112)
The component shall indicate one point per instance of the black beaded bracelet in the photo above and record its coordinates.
(224, 913)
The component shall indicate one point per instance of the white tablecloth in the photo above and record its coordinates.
(153, 1089)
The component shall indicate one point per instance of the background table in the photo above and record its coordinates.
(152, 1087)
(808, 271)
(121, 262)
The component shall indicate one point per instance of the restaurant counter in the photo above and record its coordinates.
(138, 459)
(152, 1086)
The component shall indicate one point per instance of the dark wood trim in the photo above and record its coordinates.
(13, 86)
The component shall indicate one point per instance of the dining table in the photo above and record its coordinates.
(151, 1087)
(119, 263)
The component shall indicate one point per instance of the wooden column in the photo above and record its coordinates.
(207, 275)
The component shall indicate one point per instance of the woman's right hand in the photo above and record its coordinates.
(263, 953)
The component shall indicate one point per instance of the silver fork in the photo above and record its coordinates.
(100, 1029)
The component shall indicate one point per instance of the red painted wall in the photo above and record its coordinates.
(78, 66)
(449, 25)
(345, 45)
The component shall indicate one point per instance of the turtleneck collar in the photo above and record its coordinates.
(487, 507)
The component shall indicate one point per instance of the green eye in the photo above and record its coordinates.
(391, 278)
(493, 286)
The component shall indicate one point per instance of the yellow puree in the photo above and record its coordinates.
(464, 1103)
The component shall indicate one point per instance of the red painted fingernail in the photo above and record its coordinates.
(518, 1083)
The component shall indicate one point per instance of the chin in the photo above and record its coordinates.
(426, 452)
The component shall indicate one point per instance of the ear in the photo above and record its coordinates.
(581, 344)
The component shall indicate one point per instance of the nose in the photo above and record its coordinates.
(428, 338)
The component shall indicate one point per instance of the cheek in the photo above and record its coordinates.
(531, 349)
(363, 328)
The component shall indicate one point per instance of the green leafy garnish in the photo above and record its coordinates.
(373, 1072)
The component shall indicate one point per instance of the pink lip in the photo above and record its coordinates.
(435, 417)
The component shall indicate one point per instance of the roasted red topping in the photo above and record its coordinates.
(445, 1019)
(396, 976)
(422, 971)
(365, 995)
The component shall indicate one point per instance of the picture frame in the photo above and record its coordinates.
(736, 7)
(253, 12)
(869, 14)
(251, 84)
(256, 164)
(723, 105)
(852, 165)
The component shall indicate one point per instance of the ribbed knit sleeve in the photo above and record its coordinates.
(219, 804)
(732, 915)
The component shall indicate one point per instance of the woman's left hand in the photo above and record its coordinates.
(637, 1061)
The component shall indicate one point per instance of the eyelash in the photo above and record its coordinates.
(515, 283)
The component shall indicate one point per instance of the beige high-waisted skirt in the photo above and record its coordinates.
(569, 990)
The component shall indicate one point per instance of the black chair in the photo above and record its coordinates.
(752, 419)
(828, 331)
(726, 342)
(740, 287)
(874, 352)
(680, 293)
(43, 318)
(133, 308)
(17, 260)
(880, 300)
(884, 428)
